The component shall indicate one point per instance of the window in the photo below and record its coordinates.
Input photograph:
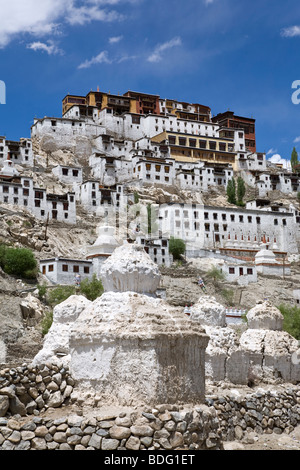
(207, 227)
(50, 268)
(258, 220)
(75, 269)
(231, 270)
(25, 192)
(65, 268)
(65, 171)
(249, 219)
(275, 221)
(39, 195)
(86, 270)
(249, 271)
(206, 215)
(241, 218)
(75, 173)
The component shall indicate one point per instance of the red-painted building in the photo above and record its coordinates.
(145, 103)
(229, 120)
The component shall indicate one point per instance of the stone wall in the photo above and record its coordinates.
(163, 428)
(28, 390)
(264, 411)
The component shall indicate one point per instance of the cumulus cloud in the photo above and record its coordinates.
(296, 140)
(115, 39)
(50, 47)
(99, 59)
(42, 18)
(278, 160)
(156, 55)
(290, 32)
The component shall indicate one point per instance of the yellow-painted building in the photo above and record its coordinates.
(193, 148)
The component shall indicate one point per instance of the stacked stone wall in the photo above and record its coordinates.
(26, 392)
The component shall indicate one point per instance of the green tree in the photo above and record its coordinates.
(231, 191)
(136, 197)
(176, 247)
(241, 190)
(216, 274)
(294, 158)
(59, 294)
(92, 289)
(291, 319)
(18, 262)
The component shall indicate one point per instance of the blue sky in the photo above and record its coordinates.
(226, 54)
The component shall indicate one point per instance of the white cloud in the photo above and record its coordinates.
(115, 39)
(296, 140)
(99, 59)
(46, 17)
(48, 47)
(156, 55)
(127, 57)
(290, 32)
(271, 151)
(277, 159)
(86, 14)
(208, 2)
(33, 17)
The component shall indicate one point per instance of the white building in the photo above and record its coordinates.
(68, 174)
(209, 227)
(19, 153)
(243, 274)
(63, 271)
(157, 248)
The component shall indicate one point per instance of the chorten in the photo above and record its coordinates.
(130, 347)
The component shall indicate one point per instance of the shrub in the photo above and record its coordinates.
(176, 247)
(41, 291)
(18, 262)
(92, 289)
(228, 295)
(47, 322)
(291, 319)
(216, 274)
(59, 294)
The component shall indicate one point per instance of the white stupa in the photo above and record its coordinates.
(103, 247)
(129, 347)
(8, 169)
